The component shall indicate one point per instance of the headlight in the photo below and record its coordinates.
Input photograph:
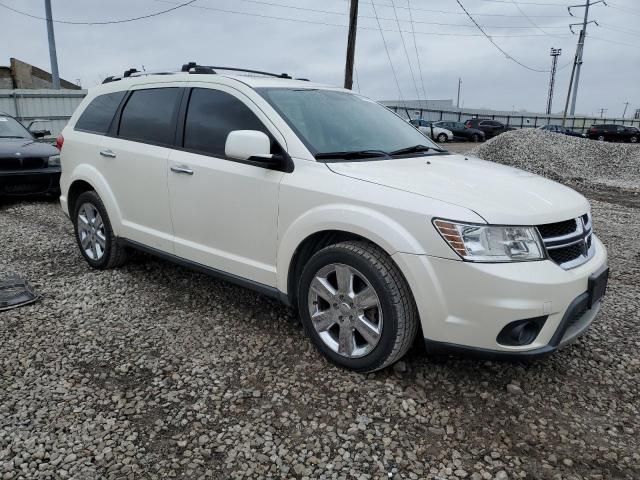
(487, 243)
(54, 161)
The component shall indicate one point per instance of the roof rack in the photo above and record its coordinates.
(194, 68)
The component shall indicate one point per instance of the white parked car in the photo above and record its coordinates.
(439, 134)
(332, 203)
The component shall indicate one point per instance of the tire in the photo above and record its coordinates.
(442, 138)
(601, 138)
(393, 320)
(103, 252)
(633, 139)
(475, 138)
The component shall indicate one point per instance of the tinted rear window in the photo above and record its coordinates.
(149, 116)
(97, 117)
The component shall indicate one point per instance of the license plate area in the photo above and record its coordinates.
(598, 285)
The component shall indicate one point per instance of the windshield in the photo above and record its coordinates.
(335, 122)
(11, 128)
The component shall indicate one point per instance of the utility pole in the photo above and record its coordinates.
(459, 85)
(580, 47)
(602, 110)
(55, 77)
(626, 104)
(555, 53)
(351, 45)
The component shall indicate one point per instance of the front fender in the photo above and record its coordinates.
(93, 177)
(372, 225)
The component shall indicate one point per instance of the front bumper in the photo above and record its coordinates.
(464, 306)
(17, 183)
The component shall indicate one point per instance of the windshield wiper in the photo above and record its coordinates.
(357, 154)
(12, 136)
(415, 149)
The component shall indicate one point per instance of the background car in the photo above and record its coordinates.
(461, 132)
(26, 165)
(614, 133)
(561, 129)
(439, 134)
(491, 128)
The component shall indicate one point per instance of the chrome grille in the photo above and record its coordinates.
(569, 243)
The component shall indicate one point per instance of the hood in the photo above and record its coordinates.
(11, 147)
(499, 194)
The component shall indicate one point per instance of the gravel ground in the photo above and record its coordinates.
(152, 372)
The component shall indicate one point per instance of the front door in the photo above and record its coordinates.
(224, 212)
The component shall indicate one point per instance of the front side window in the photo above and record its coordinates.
(11, 128)
(98, 115)
(149, 116)
(335, 122)
(211, 116)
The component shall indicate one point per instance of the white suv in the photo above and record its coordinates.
(334, 204)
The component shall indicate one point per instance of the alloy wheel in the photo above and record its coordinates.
(91, 231)
(345, 310)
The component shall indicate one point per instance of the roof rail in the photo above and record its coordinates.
(194, 68)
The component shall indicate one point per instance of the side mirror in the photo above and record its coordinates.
(252, 146)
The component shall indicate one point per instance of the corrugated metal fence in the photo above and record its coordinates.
(577, 124)
(52, 107)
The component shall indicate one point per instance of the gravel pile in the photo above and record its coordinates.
(155, 372)
(580, 162)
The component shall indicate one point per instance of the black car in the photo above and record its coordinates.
(491, 128)
(461, 131)
(561, 129)
(27, 166)
(614, 133)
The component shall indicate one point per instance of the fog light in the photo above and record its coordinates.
(521, 332)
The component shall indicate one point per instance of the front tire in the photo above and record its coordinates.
(94, 235)
(442, 138)
(475, 138)
(633, 139)
(356, 306)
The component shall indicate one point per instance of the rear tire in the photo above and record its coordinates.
(377, 301)
(98, 244)
(633, 139)
(475, 138)
(601, 138)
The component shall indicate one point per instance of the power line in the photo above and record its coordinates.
(389, 56)
(406, 52)
(509, 57)
(535, 25)
(109, 22)
(415, 45)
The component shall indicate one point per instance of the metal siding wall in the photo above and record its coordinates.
(53, 106)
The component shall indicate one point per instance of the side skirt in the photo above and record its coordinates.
(212, 272)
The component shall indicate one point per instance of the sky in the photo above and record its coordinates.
(307, 38)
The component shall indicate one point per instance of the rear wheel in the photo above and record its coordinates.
(634, 139)
(95, 238)
(356, 307)
(442, 137)
(475, 138)
(601, 138)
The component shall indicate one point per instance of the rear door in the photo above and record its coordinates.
(224, 211)
(134, 161)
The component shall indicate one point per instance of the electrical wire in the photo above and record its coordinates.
(395, 76)
(415, 45)
(108, 22)
(406, 52)
(509, 57)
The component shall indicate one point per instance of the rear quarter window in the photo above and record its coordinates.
(98, 115)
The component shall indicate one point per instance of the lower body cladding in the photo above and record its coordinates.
(504, 310)
(17, 183)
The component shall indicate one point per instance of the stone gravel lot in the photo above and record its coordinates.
(153, 371)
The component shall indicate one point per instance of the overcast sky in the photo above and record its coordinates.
(307, 42)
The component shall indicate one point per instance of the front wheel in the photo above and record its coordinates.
(633, 139)
(601, 138)
(475, 138)
(442, 138)
(94, 235)
(356, 306)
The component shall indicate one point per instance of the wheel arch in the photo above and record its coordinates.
(87, 178)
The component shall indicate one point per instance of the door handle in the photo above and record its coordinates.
(107, 153)
(182, 169)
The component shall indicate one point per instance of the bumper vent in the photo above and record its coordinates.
(569, 243)
(19, 163)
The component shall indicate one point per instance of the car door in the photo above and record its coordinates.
(224, 212)
(134, 162)
(487, 127)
